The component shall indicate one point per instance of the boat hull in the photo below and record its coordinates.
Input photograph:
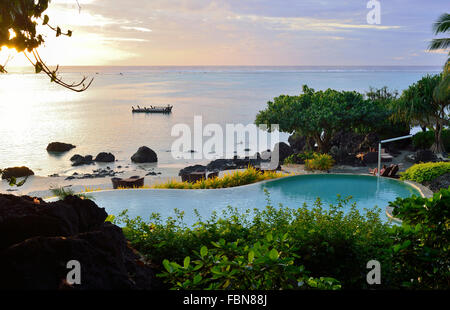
(153, 110)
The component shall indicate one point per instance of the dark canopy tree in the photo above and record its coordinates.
(18, 22)
(321, 114)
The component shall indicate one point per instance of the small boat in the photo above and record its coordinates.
(153, 109)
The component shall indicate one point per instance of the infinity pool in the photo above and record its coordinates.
(292, 192)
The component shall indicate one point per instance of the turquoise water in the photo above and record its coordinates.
(292, 192)
(100, 119)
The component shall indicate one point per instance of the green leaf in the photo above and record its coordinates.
(58, 31)
(12, 181)
(197, 279)
(251, 256)
(203, 251)
(198, 266)
(187, 261)
(167, 265)
(273, 254)
(46, 19)
(269, 237)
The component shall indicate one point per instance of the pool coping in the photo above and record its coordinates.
(424, 191)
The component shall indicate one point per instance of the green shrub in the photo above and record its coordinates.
(425, 139)
(299, 158)
(232, 179)
(426, 172)
(320, 162)
(62, 192)
(308, 247)
(268, 264)
(329, 243)
(421, 256)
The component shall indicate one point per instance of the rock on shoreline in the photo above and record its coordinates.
(16, 172)
(39, 239)
(79, 160)
(104, 157)
(144, 155)
(59, 147)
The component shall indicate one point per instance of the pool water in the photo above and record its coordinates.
(292, 192)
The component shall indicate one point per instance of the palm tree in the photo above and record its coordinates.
(442, 92)
(442, 25)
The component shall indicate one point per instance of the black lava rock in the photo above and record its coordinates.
(144, 155)
(39, 239)
(16, 172)
(78, 160)
(104, 157)
(59, 147)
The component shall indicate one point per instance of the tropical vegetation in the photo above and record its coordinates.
(320, 162)
(426, 172)
(309, 247)
(421, 104)
(319, 115)
(425, 139)
(232, 179)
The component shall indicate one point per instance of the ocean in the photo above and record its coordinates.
(35, 112)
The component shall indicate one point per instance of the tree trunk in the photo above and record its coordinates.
(323, 142)
(438, 145)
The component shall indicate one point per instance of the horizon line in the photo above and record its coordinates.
(235, 66)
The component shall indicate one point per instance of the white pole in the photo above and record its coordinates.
(379, 159)
(386, 141)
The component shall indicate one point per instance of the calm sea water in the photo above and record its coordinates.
(34, 112)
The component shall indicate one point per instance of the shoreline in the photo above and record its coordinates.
(39, 186)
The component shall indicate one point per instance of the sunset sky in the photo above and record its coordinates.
(241, 32)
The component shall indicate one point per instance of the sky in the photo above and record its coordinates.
(241, 32)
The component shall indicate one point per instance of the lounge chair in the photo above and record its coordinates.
(394, 170)
(132, 182)
(385, 172)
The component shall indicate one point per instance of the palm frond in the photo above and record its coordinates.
(439, 44)
(442, 25)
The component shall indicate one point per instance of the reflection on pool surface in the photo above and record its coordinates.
(292, 192)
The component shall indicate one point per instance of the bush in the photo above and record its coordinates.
(421, 256)
(299, 158)
(266, 265)
(329, 243)
(320, 162)
(426, 172)
(425, 139)
(308, 247)
(237, 178)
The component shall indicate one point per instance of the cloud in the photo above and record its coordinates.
(236, 32)
(438, 51)
(307, 24)
(141, 29)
